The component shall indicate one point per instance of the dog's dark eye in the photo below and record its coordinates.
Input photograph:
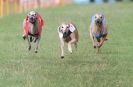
(62, 27)
(95, 16)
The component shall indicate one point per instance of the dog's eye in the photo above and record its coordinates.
(67, 27)
(95, 16)
(101, 17)
(62, 27)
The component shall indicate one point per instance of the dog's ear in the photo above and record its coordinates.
(26, 17)
(95, 16)
(59, 28)
(102, 16)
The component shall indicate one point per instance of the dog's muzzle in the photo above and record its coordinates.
(98, 22)
(66, 34)
(32, 19)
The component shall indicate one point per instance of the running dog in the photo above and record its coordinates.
(32, 27)
(98, 30)
(68, 33)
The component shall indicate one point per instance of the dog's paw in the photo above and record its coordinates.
(70, 49)
(62, 57)
(99, 45)
(106, 39)
(70, 52)
(36, 51)
(29, 48)
(24, 37)
(94, 46)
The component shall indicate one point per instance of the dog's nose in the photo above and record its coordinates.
(64, 35)
(98, 21)
(32, 19)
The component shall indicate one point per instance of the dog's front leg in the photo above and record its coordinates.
(70, 43)
(101, 42)
(29, 45)
(62, 48)
(92, 39)
(69, 47)
(37, 43)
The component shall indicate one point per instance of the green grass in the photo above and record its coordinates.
(84, 68)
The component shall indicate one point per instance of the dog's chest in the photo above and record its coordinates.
(67, 39)
(97, 29)
(33, 28)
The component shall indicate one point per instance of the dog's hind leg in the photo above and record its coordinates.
(98, 50)
(76, 45)
(35, 39)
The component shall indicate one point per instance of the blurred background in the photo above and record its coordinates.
(18, 6)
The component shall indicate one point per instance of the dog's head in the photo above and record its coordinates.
(64, 29)
(99, 19)
(32, 15)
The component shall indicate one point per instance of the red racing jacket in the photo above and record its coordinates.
(26, 25)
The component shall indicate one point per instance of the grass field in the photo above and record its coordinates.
(113, 67)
